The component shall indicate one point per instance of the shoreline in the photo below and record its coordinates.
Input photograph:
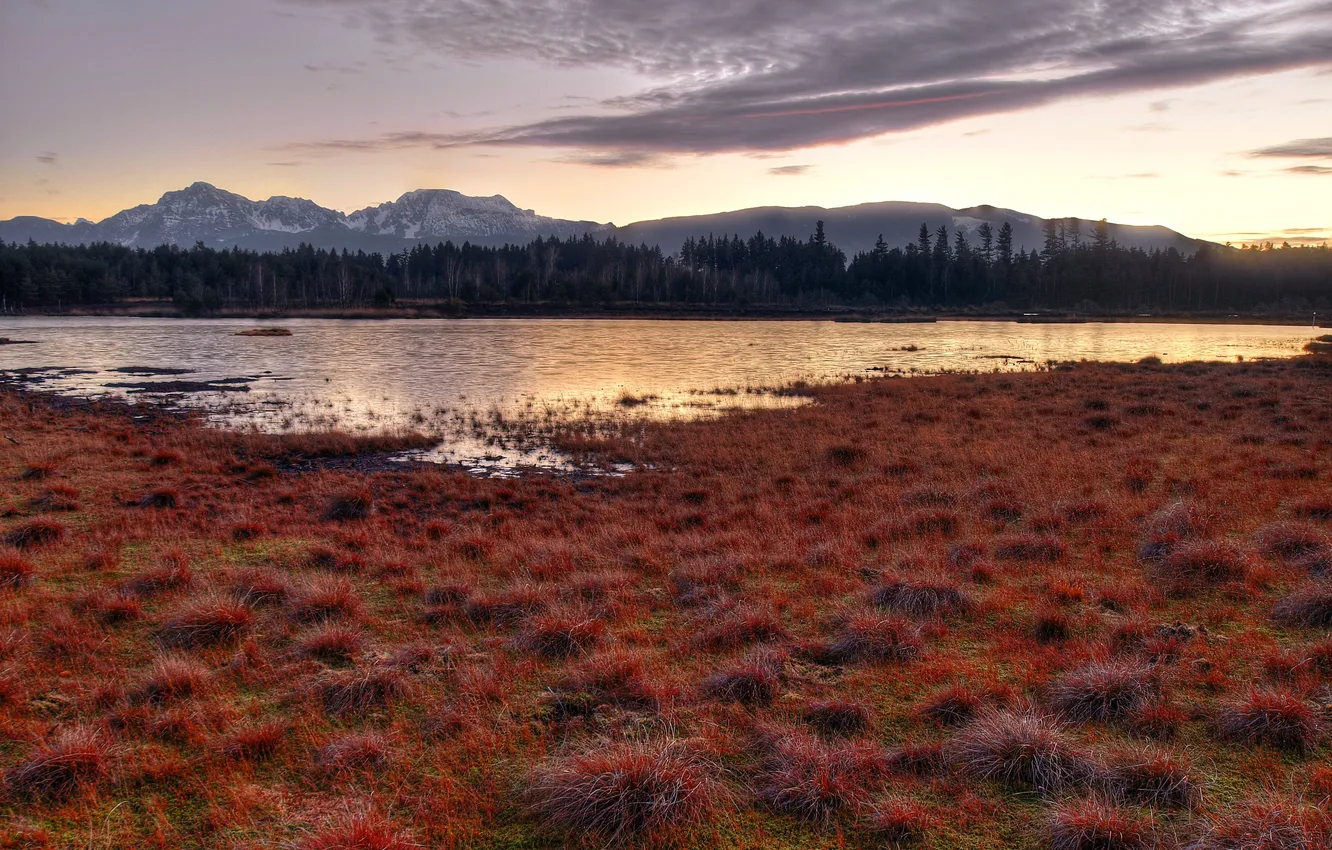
(161, 310)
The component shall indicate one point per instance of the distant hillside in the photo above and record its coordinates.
(217, 218)
(855, 229)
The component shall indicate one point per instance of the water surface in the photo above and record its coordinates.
(371, 375)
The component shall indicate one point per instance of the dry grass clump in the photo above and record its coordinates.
(173, 573)
(1033, 548)
(753, 681)
(358, 691)
(923, 598)
(626, 793)
(332, 643)
(259, 588)
(257, 742)
(1147, 776)
(350, 506)
(1291, 540)
(1308, 605)
(1104, 690)
(838, 717)
(357, 752)
(15, 572)
(1096, 824)
(172, 678)
(872, 638)
(1169, 527)
(747, 623)
(1022, 750)
(35, 534)
(324, 598)
(1277, 718)
(615, 676)
(507, 606)
(900, 821)
(206, 623)
(1274, 824)
(1200, 565)
(813, 781)
(74, 759)
(560, 634)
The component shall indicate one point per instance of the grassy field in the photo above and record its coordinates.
(1083, 609)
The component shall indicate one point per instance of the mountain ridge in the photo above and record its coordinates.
(204, 213)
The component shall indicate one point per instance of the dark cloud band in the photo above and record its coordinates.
(776, 75)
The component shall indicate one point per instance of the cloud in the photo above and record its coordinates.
(1305, 148)
(618, 159)
(779, 75)
(48, 157)
(1309, 169)
(286, 164)
(789, 170)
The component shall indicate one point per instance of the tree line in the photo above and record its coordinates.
(1084, 272)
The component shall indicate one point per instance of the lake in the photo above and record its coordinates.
(384, 374)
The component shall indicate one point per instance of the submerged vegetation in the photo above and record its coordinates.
(1078, 608)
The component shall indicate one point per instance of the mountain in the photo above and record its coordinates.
(204, 213)
(855, 229)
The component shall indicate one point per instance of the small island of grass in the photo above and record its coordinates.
(264, 332)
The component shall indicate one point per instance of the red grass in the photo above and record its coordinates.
(625, 793)
(1021, 750)
(1169, 527)
(367, 832)
(1105, 690)
(326, 599)
(258, 742)
(1094, 824)
(901, 821)
(35, 534)
(162, 499)
(172, 678)
(14, 571)
(75, 759)
(1158, 720)
(206, 623)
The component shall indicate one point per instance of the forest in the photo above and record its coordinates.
(1088, 274)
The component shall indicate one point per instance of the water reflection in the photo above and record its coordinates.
(468, 374)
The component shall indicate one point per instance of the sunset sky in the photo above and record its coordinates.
(1213, 117)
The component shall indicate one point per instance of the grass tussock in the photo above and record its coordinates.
(1067, 635)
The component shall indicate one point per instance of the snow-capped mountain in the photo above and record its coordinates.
(205, 213)
(438, 214)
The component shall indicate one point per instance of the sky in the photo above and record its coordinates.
(1213, 117)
